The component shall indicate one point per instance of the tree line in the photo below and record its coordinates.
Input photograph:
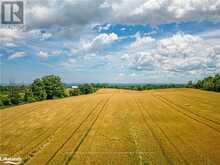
(211, 83)
(138, 87)
(47, 87)
(51, 87)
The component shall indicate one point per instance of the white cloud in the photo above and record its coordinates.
(45, 55)
(144, 61)
(17, 55)
(38, 34)
(45, 13)
(133, 74)
(10, 44)
(142, 42)
(95, 45)
(185, 53)
(69, 63)
(213, 38)
(181, 53)
(15, 37)
(10, 34)
(42, 54)
(157, 12)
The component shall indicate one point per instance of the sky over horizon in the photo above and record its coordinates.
(113, 41)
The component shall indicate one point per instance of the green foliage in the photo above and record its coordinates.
(28, 95)
(211, 83)
(75, 92)
(15, 97)
(1, 103)
(53, 86)
(5, 100)
(38, 89)
(48, 87)
(87, 88)
(138, 87)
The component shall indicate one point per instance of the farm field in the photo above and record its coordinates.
(120, 127)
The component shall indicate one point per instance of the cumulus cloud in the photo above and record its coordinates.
(45, 55)
(186, 52)
(181, 53)
(14, 37)
(45, 13)
(95, 45)
(42, 54)
(10, 35)
(142, 42)
(17, 55)
(157, 12)
(69, 63)
(10, 44)
(39, 34)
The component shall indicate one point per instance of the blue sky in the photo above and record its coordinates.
(151, 41)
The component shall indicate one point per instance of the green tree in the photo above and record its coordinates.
(6, 100)
(38, 90)
(1, 102)
(217, 83)
(86, 88)
(15, 97)
(28, 95)
(211, 83)
(53, 86)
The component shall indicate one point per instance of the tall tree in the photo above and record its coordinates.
(53, 86)
(28, 95)
(38, 89)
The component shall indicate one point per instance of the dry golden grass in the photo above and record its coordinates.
(169, 126)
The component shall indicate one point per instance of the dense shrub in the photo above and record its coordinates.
(38, 90)
(87, 88)
(75, 92)
(15, 98)
(28, 96)
(6, 100)
(1, 103)
(48, 87)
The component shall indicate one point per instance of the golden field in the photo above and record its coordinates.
(119, 127)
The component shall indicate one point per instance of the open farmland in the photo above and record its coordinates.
(169, 126)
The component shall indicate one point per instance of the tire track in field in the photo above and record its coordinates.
(165, 135)
(176, 135)
(74, 131)
(25, 112)
(177, 107)
(31, 156)
(182, 107)
(87, 132)
(92, 140)
(49, 138)
(201, 97)
(201, 100)
(154, 134)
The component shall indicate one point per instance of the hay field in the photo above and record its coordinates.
(119, 127)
